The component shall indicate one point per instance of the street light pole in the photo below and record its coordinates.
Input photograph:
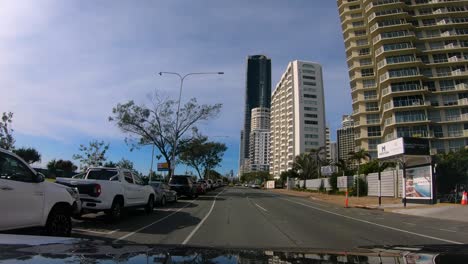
(176, 139)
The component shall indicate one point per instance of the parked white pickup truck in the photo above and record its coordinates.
(111, 190)
(26, 200)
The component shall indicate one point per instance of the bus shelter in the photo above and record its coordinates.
(413, 156)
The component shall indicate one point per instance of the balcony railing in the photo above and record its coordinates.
(461, 86)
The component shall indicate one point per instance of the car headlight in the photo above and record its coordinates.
(74, 193)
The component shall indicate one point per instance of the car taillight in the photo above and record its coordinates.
(97, 190)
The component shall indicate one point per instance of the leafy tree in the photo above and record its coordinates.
(344, 167)
(255, 176)
(6, 133)
(373, 166)
(202, 155)
(30, 155)
(110, 164)
(359, 156)
(289, 173)
(60, 164)
(452, 169)
(157, 124)
(92, 155)
(306, 167)
(125, 164)
(333, 180)
(212, 174)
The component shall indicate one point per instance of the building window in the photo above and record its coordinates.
(306, 108)
(308, 77)
(309, 102)
(368, 83)
(365, 51)
(412, 131)
(310, 96)
(403, 72)
(373, 131)
(369, 95)
(310, 90)
(310, 129)
(373, 118)
(311, 143)
(373, 142)
(358, 24)
(397, 46)
(367, 72)
(310, 136)
(362, 42)
(372, 106)
(308, 66)
(365, 62)
(410, 116)
(310, 83)
(359, 33)
(400, 59)
(310, 115)
(308, 71)
(405, 86)
(354, 7)
(310, 122)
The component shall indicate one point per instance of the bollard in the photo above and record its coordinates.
(346, 200)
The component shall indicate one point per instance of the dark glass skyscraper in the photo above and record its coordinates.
(257, 94)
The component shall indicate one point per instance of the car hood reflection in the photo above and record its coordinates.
(87, 251)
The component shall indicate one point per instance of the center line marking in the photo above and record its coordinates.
(146, 226)
(372, 223)
(202, 221)
(261, 207)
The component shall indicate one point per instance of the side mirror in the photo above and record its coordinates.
(40, 177)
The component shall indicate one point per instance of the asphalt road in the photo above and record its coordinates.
(249, 218)
(243, 217)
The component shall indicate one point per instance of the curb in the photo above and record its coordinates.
(368, 207)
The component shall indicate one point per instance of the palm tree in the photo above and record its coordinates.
(316, 154)
(304, 165)
(358, 156)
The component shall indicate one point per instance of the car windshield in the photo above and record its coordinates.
(103, 175)
(251, 124)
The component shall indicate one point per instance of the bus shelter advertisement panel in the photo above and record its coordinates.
(419, 182)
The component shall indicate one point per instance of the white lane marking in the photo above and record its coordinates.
(187, 239)
(96, 232)
(448, 230)
(372, 223)
(261, 207)
(155, 222)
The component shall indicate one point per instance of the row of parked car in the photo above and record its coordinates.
(27, 200)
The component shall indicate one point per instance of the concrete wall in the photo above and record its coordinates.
(314, 184)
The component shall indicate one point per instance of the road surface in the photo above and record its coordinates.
(248, 218)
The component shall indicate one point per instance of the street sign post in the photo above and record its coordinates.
(163, 166)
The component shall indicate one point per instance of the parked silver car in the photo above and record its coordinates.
(163, 193)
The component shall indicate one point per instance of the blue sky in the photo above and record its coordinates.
(65, 64)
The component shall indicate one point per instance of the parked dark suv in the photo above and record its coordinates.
(183, 185)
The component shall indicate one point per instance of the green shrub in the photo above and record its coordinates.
(362, 187)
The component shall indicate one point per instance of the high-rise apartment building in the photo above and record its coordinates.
(327, 144)
(333, 151)
(345, 138)
(259, 152)
(407, 62)
(297, 114)
(257, 94)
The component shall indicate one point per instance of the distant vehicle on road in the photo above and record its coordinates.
(163, 193)
(215, 184)
(200, 187)
(26, 200)
(111, 190)
(211, 184)
(206, 184)
(183, 185)
(255, 186)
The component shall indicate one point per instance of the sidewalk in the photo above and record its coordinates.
(440, 211)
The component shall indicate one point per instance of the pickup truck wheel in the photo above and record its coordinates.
(58, 223)
(115, 213)
(163, 201)
(150, 205)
